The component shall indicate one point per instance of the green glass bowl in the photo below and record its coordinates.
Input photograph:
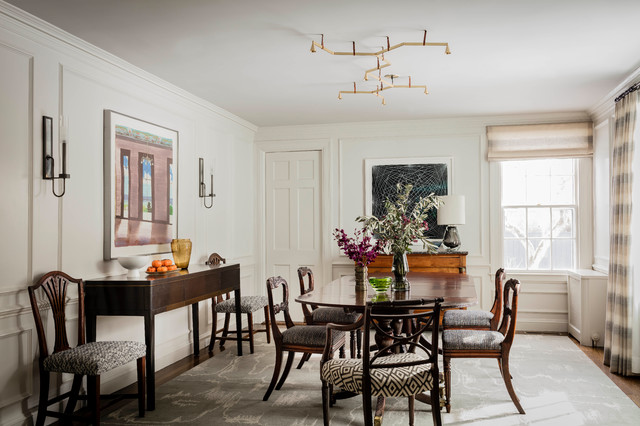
(380, 285)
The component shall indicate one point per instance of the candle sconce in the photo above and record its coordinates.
(202, 187)
(48, 162)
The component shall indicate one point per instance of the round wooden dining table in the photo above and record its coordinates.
(457, 290)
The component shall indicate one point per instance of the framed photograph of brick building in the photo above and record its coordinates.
(140, 186)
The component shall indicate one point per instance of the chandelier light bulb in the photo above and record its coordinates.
(313, 47)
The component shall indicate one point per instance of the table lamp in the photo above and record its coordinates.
(451, 213)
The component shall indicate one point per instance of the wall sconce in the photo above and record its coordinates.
(48, 163)
(202, 187)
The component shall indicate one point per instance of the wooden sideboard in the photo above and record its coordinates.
(451, 262)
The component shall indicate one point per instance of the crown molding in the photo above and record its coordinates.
(38, 30)
(606, 105)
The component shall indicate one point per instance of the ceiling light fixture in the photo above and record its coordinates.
(384, 84)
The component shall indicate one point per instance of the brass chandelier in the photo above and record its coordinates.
(386, 82)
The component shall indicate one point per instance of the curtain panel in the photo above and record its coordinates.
(619, 314)
(530, 141)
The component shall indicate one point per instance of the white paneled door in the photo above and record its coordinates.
(293, 219)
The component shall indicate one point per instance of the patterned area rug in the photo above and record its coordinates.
(557, 385)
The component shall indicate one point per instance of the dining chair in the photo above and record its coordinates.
(478, 320)
(225, 304)
(314, 315)
(400, 364)
(49, 299)
(305, 339)
(464, 343)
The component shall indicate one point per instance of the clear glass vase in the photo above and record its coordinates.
(400, 268)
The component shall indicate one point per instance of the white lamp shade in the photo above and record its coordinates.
(451, 211)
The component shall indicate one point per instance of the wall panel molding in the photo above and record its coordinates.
(16, 367)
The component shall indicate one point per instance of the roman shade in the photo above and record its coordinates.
(529, 141)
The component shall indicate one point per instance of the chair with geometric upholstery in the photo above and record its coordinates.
(467, 343)
(225, 304)
(405, 364)
(478, 320)
(48, 299)
(305, 339)
(323, 316)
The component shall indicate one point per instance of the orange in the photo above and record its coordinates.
(151, 269)
(167, 262)
(162, 269)
(172, 267)
(156, 263)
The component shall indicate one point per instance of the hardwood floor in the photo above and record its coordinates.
(629, 385)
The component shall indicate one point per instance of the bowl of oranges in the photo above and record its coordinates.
(161, 266)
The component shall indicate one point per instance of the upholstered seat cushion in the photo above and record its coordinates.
(248, 304)
(334, 315)
(393, 382)
(309, 335)
(461, 318)
(472, 339)
(94, 358)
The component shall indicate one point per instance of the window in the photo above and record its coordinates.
(539, 206)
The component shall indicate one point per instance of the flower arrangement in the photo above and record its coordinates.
(400, 228)
(361, 248)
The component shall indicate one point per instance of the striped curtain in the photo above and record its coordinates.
(619, 317)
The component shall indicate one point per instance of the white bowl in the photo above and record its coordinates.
(133, 264)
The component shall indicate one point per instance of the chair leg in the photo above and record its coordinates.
(225, 330)
(44, 397)
(507, 381)
(412, 403)
(250, 326)
(305, 358)
(214, 327)
(377, 420)
(352, 343)
(267, 323)
(73, 396)
(93, 389)
(447, 383)
(276, 373)
(287, 368)
(435, 406)
(366, 408)
(141, 364)
(325, 403)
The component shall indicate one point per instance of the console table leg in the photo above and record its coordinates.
(149, 340)
(195, 317)
(236, 295)
(91, 327)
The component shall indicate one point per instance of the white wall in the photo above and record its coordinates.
(543, 303)
(45, 71)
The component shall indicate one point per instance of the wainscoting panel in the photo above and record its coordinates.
(16, 367)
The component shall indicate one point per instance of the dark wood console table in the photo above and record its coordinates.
(147, 296)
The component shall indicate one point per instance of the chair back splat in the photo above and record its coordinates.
(401, 362)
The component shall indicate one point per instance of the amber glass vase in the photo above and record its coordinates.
(181, 249)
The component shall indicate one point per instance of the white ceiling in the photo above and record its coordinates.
(252, 58)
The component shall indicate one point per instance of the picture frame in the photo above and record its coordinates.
(426, 174)
(140, 186)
